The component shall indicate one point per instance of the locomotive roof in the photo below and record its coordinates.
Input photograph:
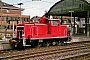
(53, 19)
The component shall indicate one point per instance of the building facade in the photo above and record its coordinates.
(10, 16)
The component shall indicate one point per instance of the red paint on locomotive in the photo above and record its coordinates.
(42, 30)
(46, 31)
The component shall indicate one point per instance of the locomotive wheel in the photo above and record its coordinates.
(34, 44)
(47, 44)
(13, 45)
(61, 43)
(54, 43)
(39, 45)
(20, 46)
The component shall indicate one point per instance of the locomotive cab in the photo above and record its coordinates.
(20, 31)
(54, 22)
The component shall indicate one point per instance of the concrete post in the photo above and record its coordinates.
(88, 32)
(74, 26)
(20, 12)
(1, 14)
(13, 30)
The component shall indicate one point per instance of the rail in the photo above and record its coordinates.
(52, 52)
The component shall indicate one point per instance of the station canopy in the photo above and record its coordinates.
(79, 8)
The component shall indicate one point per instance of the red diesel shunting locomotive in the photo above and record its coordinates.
(46, 32)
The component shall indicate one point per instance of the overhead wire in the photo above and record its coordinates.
(33, 1)
(47, 1)
(26, 1)
(29, 1)
(28, 7)
(35, 7)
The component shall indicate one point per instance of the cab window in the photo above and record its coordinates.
(55, 22)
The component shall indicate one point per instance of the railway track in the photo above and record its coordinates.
(49, 53)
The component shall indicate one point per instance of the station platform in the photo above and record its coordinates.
(4, 44)
(79, 38)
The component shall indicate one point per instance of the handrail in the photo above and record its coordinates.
(32, 30)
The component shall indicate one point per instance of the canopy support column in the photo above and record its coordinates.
(61, 20)
(87, 25)
(74, 26)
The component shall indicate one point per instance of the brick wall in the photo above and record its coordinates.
(13, 14)
(5, 11)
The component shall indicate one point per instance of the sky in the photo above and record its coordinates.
(33, 8)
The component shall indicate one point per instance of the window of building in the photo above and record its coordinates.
(9, 18)
(3, 26)
(14, 27)
(8, 27)
(11, 27)
(26, 19)
(18, 18)
(14, 18)
(22, 19)
(0, 26)
(5, 18)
